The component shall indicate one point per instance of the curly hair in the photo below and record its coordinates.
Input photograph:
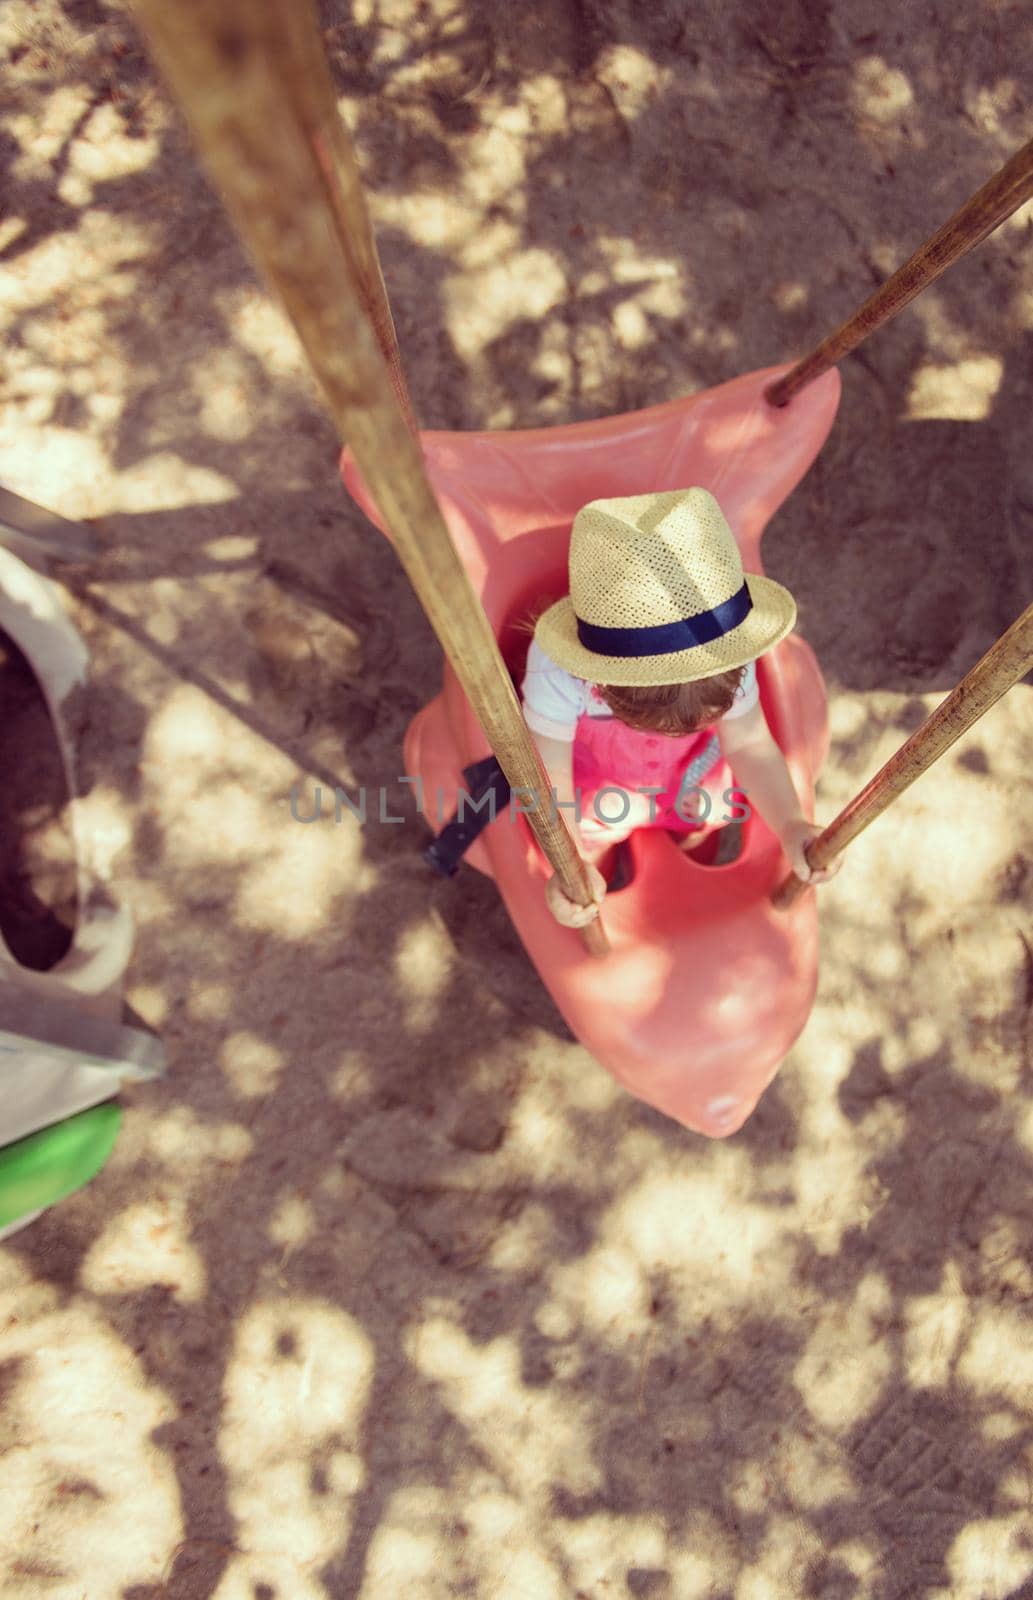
(676, 709)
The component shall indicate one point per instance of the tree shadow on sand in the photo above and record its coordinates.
(440, 1295)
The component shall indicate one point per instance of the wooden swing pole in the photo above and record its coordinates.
(1008, 660)
(1008, 189)
(252, 79)
(314, 101)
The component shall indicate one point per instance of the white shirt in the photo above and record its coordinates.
(554, 699)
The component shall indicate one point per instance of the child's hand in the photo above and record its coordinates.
(567, 912)
(795, 837)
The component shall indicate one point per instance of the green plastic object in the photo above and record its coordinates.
(46, 1166)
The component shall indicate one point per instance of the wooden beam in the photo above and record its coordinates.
(992, 676)
(987, 209)
(251, 78)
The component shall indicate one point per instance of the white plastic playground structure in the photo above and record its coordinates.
(63, 1046)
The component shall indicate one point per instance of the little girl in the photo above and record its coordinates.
(641, 690)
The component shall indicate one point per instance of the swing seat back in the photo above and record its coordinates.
(706, 987)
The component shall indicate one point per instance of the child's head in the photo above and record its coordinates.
(676, 709)
(660, 614)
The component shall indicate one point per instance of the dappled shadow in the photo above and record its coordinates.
(388, 1289)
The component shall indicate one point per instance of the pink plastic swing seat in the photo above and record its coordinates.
(706, 986)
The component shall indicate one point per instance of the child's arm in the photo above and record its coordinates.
(761, 773)
(558, 760)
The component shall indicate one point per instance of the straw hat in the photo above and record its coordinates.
(658, 594)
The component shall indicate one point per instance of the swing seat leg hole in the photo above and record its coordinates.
(718, 848)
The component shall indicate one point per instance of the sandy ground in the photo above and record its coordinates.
(387, 1289)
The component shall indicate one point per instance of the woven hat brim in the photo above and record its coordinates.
(771, 619)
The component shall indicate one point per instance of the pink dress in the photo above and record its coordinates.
(614, 764)
(626, 778)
